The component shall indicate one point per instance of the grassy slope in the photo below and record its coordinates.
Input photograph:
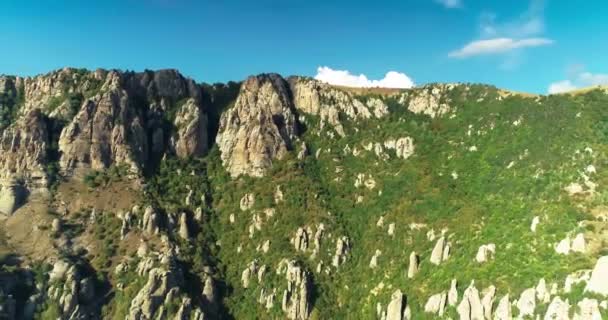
(488, 203)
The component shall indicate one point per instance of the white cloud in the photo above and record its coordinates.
(561, 86)
(496, 46)
(450, 4)
(523, 31)
(581, 80)
(392, 79)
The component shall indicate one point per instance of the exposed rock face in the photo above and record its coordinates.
(260, 128)
(398, 309)
(527, 302)
(163, 287)
(471, 308)
(105, 132)
(436, 304)
(599, 277)
(191, 136)
(71, 291)
(431, 100)
(318, 98)
(342, 249)
(23, 157)
(503, 310)
(588, 309)
(296, 301)
(558, 310)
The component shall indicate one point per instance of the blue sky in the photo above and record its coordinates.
(524, 45)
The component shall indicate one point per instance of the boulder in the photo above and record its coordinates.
(588, 309)
(440, 252)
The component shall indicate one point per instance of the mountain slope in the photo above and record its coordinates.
(162, 198)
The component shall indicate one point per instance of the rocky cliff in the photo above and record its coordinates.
(144, 195)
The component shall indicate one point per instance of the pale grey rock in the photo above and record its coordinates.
(296, 302)
(436, 304)
(440, 251)
(342, 250)
(487, 301)
(150, 221)
(470, 308)
(599, 277)
(397, 308)
(414, 265)
(453, 293)
(527, 302)
(183, 232)
(503, 310)
(588, 309)
(578, 243)
(191, 138)
(373, 263)
(558, 310)
(300, 241)
(260, 128)
(56, 225)
(485, 252)
(542, 294)
(247, 202)
(431, 100)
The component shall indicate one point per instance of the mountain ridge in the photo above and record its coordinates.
(148, 195)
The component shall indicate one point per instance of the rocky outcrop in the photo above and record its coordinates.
(471, 308)
(23, 159)
(413, 266)
(441, 251)
(430, 100)
(317, 98)
(73, 292)
(398, 309)
(105, 132)
(296, 302)
(191, 135)
(599, 277)
(260, 128)
(165, 280)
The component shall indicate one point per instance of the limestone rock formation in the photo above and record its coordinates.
(413, 266)
(558, 310)
(191, 126)
(527, 302)
(430, 100)
(398, 309)
(317, 98)
(471, 308)
(23, 158)
(503, 310)
(296, 302)
(436, 304)
(260, 128)
(485, 252)
(599, 277)
(441, 251)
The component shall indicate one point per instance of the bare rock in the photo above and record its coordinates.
(503, 310)
(414, 265)
(260, 128)
(599, 277)
(558, 310)
(191, 139)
